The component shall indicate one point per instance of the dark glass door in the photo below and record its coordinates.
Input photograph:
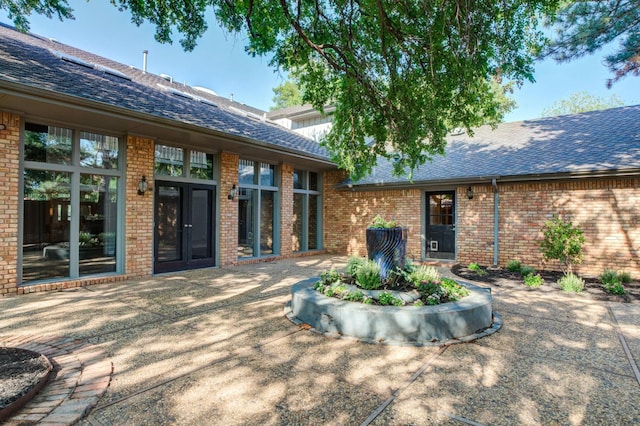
(184, 226)
(441, 225)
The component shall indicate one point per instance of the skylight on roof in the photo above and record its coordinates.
(112, 72)
(186, 95)
(75, 60)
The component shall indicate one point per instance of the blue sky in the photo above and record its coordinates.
(220, 63)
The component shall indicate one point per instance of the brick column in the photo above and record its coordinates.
(139, 210)
(286, 210)
(9, 173)
(228, 209)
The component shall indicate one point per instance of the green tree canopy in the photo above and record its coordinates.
(581, 102)
(583, 27)
(287, 94)
(398, 72)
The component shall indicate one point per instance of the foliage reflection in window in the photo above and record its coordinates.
(47, 144)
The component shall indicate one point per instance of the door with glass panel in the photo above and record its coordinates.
(441, 225)
(184, 226)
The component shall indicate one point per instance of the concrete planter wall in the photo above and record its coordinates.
(465, 320)
(387, 247)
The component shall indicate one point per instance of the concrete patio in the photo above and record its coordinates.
(214, 347)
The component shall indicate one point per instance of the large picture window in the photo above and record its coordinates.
(307, 219)
(257, 213)
(70, 203)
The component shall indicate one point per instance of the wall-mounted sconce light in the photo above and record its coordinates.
(3, 127)
(470, 193)
(143, 185)
(232, 192)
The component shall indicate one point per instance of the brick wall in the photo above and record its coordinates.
(9, 190)
(139, 211)
(605, 210)
(347, 215)
(228, 209)
(286, 210)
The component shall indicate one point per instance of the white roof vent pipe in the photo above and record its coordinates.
(231, 97)
(145, 53)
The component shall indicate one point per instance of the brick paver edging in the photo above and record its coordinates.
(80, 377)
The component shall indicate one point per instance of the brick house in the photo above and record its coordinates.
(111, 172)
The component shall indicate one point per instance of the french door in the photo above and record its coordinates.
(184, 226)
(441, 225)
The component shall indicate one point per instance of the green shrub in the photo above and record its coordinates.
(608, 275)
(427, 288)
(533, 280)
(423, 273)
(329, 277)
(527, 270)
(563, 242)
(380, 223)
(353, 264)
(418, 302)
(353, 296)
(452, 290)
(625, 277)
(386, 298)
(513, 266)
(368, 275)
(368, 301)
(612, 282)
(477, 269)
(571, 282)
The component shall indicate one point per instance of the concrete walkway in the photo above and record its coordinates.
(213, 347)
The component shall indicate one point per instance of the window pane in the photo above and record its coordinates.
(245, 222)
(246, 172)
(98, 219)
(298, 179)
(47, 224)
(47, 144)
(267, 172)
(313, 181)
(297, 221)
(98, 151)
(169, 161)
(267, 216)
(169, 223)
(313, 222)
(201, 165)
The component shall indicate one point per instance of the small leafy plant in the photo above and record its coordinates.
(381, 223)
(354, 264)
(625, 277)
(423, 274)
(563, 242)
(533, 280)
(386, 298)
(526, 270)
(477, 269)
(571, 282)
(612, 282)
(514, 266)
(368, 275)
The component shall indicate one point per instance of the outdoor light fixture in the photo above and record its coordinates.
(232, 192)
(3, 127)
(470, 193)
(143, 185)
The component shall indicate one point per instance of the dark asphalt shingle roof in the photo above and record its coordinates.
(30, 60)
(592, 142)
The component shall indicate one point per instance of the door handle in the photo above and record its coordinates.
(188, 226)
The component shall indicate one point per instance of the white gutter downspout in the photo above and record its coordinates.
(496, 200)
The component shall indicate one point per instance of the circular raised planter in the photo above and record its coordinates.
(467, 319)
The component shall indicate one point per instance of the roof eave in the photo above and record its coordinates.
(40, 94)
(475, 180)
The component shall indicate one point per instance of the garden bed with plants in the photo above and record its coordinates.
(561, 242)
(610, 286)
